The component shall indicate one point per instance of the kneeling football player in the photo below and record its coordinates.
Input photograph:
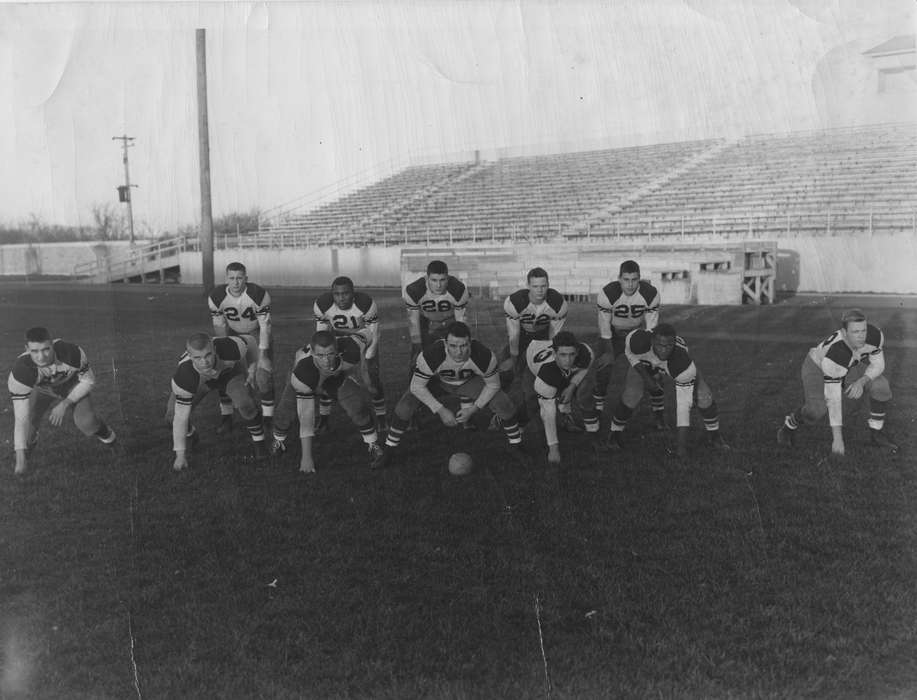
(333, 368)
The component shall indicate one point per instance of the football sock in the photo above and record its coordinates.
(324, 406)
(225, 405)
(620, 417)
(877, 414)
(591, 421)
(791, 422)
(379, 406)
(512, 432)
(395, 431)
(256, 427)
(711, 416)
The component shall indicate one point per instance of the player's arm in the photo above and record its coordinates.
(371, 319)
(420, 380)
(181, 419)
(461, 304)
(305, 410)
(605, 333)
(834, 374)
(491, 377)
(322, 322)
(85, 381)
(263, 313)
(651, 315)
(220, 329)
(685, 378)
(20, 389)
(560, 318)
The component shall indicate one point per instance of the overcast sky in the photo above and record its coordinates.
(306, 95)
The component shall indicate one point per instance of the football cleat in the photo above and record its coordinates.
(470, 426)
(496, 423)
(108, 439)
(659, 421)
(615, 441)
(259, 451)
(225, 426)
(321, 426)
(715, 440)
(568, 424)
(278, 447)
(379, 456)
(786, 437)
(518, 456)
(878, 438)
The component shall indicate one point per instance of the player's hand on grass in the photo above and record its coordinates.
(855, 389)
(554, 455)
(181, 461)
(837, 447)
(21, 462)
(59, 412)
(447, 417)
(306, 464)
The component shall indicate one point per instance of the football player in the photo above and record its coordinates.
(848, 363)
(464, 368)
(48, 371)
(346, 312)
(333, 367)
(226, 364)
(433, 302)
(623, 305)
(241, 307)
(654, 355)
(560, 375)
(537, 312)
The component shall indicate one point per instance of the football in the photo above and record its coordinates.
(460, 464)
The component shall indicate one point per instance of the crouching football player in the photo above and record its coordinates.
(227, 364)
(334, 368)
(48, 371)
(654, 355)
(848, 363)
(561, 375)
(464, 368)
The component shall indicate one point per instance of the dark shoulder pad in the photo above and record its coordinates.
(613, 291)
(519, 299)
(647, 291)
(217, 295)
(255, 292)
(874, 336)
(306, 372)
(455, 287)
(362, 301)
(349, 349)
(24, 370)
(435, 354)
(416, 289)
(640, 341)
(554, 298)
(584, 356)
(226, 348)
(678, 361)
(67, 353)
(325, 301)
(186, 377)
(480, 354)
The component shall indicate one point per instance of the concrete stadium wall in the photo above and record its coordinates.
(304, 267)
(880, 264)
(55, 258)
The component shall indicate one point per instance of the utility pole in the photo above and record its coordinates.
(203, 134)
(124, 192)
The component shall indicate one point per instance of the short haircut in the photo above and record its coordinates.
(536, 272)
(38, 334)
(342, 281)
(852, 316)
(236, 267)
(198, 341)
(564, 339)
(322, 339)
(437, 267)
(458, 329)
(628, 266)
(664, 330)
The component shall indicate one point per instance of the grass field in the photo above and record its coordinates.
(758, 573)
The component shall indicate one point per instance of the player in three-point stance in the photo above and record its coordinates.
(227, 365)
(433, 302)
(464, 368)
(560, 371)
(241, 307)
(334, 367)
(623, 305)
(537, 312)
(345, 312)
(654, 355)
(848, 363)
(48, 371)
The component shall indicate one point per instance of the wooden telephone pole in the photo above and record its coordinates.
(203, 130)
(124, 191)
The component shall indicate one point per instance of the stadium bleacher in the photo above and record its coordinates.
(803, 183)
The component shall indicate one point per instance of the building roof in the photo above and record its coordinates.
(903, 43)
